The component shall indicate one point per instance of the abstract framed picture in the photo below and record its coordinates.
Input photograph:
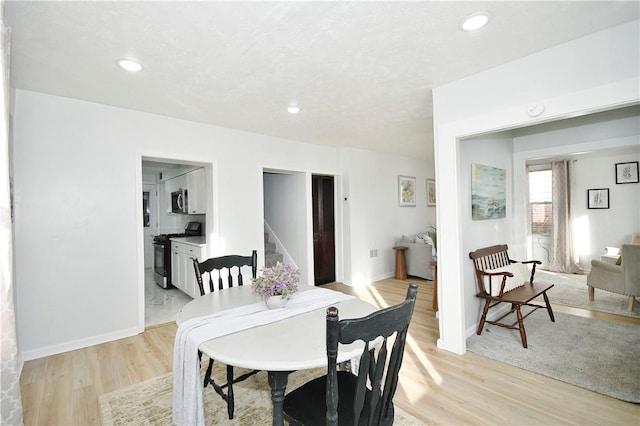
(488, 192)
(598, 198)
(431, 192)
(627, 172)
(406, 191)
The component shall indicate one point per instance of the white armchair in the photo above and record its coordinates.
(623, 279)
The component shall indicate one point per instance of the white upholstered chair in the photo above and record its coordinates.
(622, 279)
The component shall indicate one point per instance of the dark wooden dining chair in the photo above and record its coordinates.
(340, 397)
(220, 270)
(503, 280)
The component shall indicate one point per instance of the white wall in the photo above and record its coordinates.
(579, 77)
(77, 209)
(78, 226)
(609, 227)
(372, 215)
(495, 151)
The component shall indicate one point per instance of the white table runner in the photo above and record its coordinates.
(188, 402)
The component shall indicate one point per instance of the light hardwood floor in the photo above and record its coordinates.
(438, 387)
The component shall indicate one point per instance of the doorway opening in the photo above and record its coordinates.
(324, 249)
(159, 303)
(300, 211)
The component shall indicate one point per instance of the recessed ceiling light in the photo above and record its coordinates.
(293, 110)
(475, 21)
(129, 65)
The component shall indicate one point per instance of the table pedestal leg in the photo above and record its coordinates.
(278, 383)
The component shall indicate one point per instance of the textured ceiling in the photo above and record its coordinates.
(361, 72)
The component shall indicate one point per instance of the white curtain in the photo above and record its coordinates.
(11, 406)
(563, 258)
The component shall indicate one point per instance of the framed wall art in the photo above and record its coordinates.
(431, 192)
(627, 172)
(488, 192)
(598, 198)
(407, 191)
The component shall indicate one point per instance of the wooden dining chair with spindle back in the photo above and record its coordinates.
(215, 274)
(342, 397)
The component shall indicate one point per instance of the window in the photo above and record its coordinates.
(540, 202)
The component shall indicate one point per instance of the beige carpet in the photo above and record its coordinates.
(571, 290)
(601, 356)
(149, 403)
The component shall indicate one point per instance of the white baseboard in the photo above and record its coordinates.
(471, 331)
(491, 315)
(383, 277)
(76, 344)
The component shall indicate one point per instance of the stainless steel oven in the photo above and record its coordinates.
(160, 275)
(162, 253)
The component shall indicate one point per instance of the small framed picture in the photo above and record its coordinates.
(407, 191)
(627, 172)
(431, 192)
(598, 198)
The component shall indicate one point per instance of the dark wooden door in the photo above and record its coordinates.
(324, 252)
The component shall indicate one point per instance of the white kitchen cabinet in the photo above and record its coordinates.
(183, 250)
(196, 191)
(170, 185)
(177, 253)
(192, 252)
(194, 183)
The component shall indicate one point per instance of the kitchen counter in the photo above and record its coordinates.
(183, 252)
(194, 241)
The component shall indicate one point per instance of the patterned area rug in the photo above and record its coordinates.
(571, 290)
(598, 355)
(149, 403)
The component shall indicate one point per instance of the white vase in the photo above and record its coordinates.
(276, 302)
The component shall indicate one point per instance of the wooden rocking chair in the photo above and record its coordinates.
(502, 280)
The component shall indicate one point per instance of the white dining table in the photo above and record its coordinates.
(280, 347)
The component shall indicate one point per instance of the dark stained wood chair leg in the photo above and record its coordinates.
(484, 316)
(207, 376)
(549, 310)
(523, 334)
(230, 401)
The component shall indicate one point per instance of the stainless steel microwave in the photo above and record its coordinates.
(180, 201)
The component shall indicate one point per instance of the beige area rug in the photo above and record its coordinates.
(598, 355)
(149, 403)
(571, 290)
